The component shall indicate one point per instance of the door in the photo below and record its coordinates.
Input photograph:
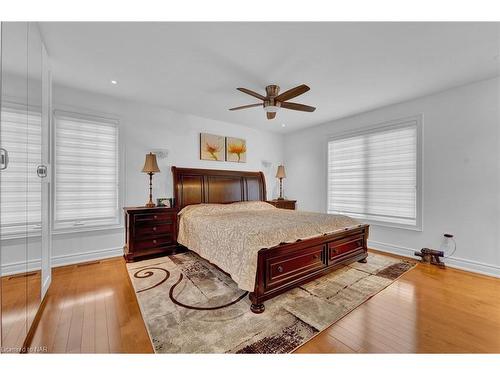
(24, 145)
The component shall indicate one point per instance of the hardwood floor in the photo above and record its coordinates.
(20, 301)
(92, 309)
(428, 310)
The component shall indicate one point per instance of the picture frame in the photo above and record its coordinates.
(164, 202)
(212, 147)
(236, 150)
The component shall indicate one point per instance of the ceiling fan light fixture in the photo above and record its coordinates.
(272, 108)
(273, 100)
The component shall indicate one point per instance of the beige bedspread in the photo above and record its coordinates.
(230, 235)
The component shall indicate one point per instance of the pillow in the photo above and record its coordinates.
(203, 209)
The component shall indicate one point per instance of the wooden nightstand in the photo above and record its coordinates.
(283, 203)
(149, 231)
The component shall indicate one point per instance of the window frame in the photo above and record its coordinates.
(94, 225)
(418, 121)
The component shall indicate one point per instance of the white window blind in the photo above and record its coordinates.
(20, 135)
(374, 175)
(86, 173)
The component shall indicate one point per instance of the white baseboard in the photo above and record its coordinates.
(65, 260)
(454, 262)
(21, 267)
(60, 260)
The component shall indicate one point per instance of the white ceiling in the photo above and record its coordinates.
(196, 67)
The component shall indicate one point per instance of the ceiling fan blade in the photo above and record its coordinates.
(292, 93)
(297, 107)
(252, 93)
(246, 106)
(271, 115)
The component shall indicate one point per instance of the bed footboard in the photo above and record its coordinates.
(286, 266)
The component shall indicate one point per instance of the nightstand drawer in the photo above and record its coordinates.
(153, 228)
(164, 240)
(148, 218)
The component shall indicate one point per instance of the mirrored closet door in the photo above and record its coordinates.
(24, 180)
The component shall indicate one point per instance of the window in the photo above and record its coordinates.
(21, 136)
(375, 175)
(86, 171)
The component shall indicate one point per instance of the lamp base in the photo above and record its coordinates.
(280, 198)
(150, 203)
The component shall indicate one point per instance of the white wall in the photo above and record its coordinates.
(461, 184)
(461, 167)
(143, 128)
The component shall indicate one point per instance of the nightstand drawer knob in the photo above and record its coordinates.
(155, 217)
(280, 269)
(154, 229)
(154, 241)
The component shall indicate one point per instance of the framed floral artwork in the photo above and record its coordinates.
(212, 147)
(236, 150)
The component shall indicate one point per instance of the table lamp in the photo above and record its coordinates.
(280, 173)
(150, 167)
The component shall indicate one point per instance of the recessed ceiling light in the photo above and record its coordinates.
(114, 82)
(283, 125)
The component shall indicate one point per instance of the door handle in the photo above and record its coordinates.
(41, 171)
(4, 159)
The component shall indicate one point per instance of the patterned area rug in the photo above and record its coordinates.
(190, 306)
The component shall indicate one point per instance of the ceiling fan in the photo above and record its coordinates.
(273, 100)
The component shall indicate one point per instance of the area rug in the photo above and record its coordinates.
(190, 306)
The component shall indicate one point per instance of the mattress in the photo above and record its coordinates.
(231, 235)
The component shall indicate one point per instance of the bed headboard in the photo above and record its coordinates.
(193, 186)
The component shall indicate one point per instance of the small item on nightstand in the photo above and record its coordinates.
(164, 202)
(280, 173)
(150, 167)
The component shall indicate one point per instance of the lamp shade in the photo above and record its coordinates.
(150, 164)
(280, 173)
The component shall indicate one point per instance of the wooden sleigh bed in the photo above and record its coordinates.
(279, 268)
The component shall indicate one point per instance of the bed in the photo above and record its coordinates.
(224, 218)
